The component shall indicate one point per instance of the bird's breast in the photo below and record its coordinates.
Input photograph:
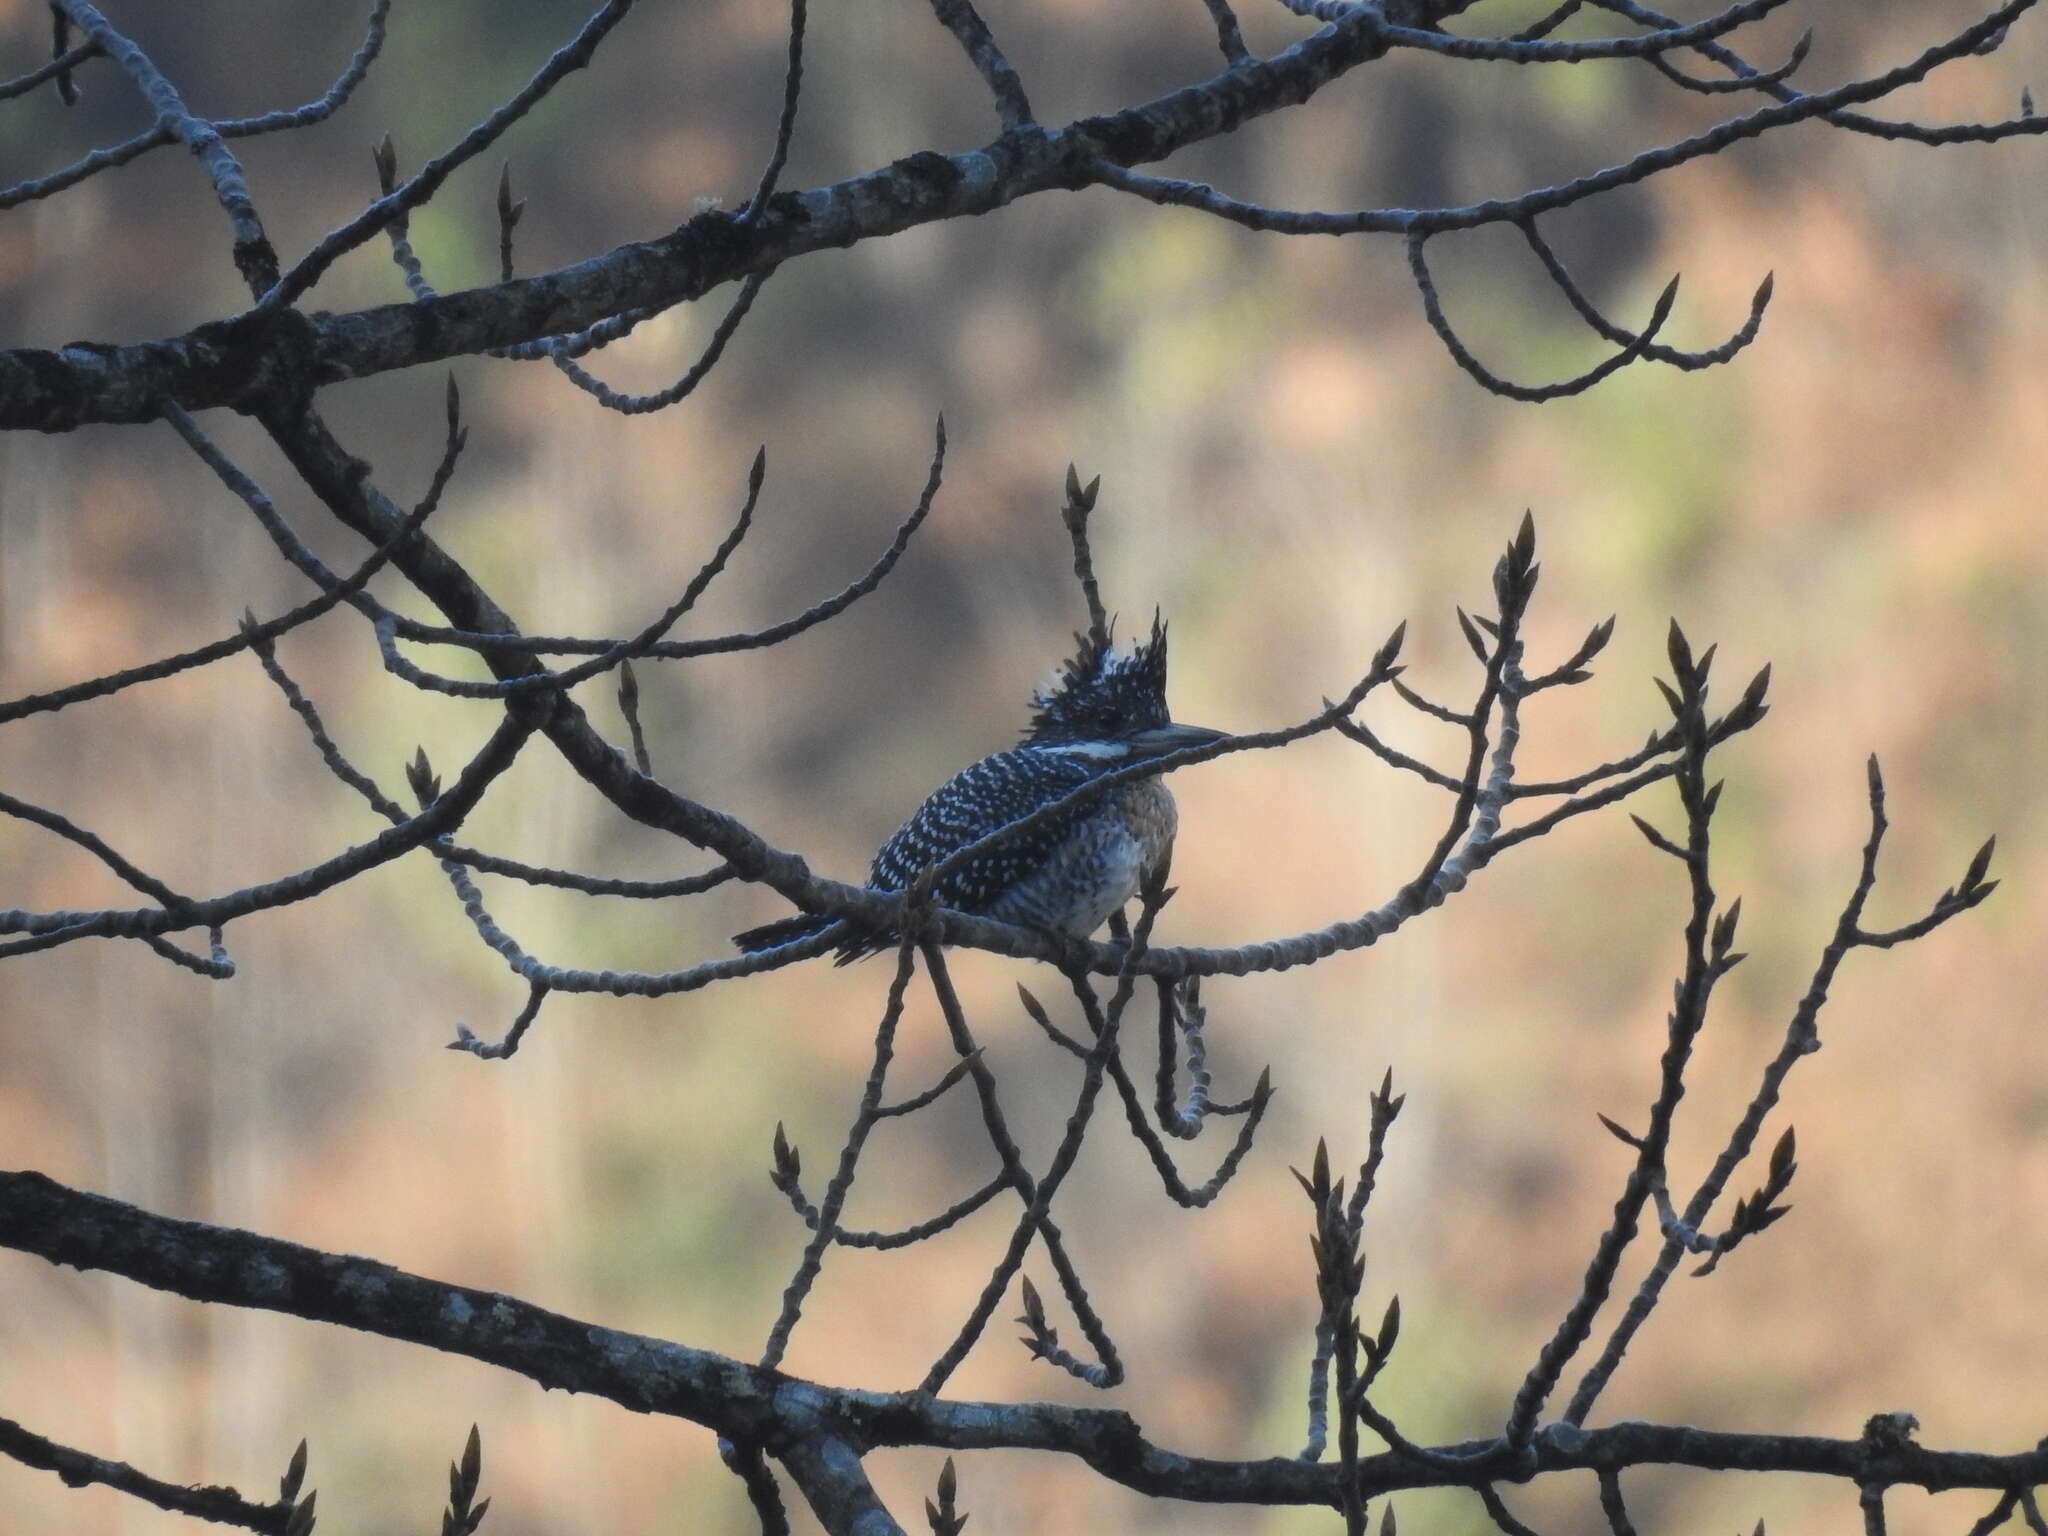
(1098, 866)
(1149, 811)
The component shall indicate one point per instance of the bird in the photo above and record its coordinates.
(1104, 710)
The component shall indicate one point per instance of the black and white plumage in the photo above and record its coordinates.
(1105, 711)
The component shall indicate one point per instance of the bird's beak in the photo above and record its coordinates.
(1158, 740)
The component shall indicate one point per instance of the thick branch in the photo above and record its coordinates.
(227, 1266)
(280, 353)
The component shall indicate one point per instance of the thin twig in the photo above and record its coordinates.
(1432, 308)
(158, 135)
(960, 18)
(826, 1227)
(1692, 995)
(79, 1468)
(254, 257)
(1656, 352)
(1229, 36)
(909, 1236)
(58, 68)
(571, 56)
(1802, 1039)
(678, 650)
(1028, 1189)
(785, 126)
(604, 661)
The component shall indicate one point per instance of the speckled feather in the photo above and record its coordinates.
(1071, 873)
(995, 791)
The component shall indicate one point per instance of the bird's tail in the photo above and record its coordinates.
(785, 930)
(856, 945)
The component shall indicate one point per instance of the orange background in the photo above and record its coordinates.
(1291, 466)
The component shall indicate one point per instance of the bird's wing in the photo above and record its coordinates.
(974, 802)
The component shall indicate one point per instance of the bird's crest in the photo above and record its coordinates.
(1102, 693)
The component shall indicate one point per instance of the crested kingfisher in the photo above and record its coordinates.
(1105, 710)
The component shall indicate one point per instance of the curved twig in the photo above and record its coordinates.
(1656, 352)
(1637, 346)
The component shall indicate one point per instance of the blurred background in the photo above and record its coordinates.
(1291, 465)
